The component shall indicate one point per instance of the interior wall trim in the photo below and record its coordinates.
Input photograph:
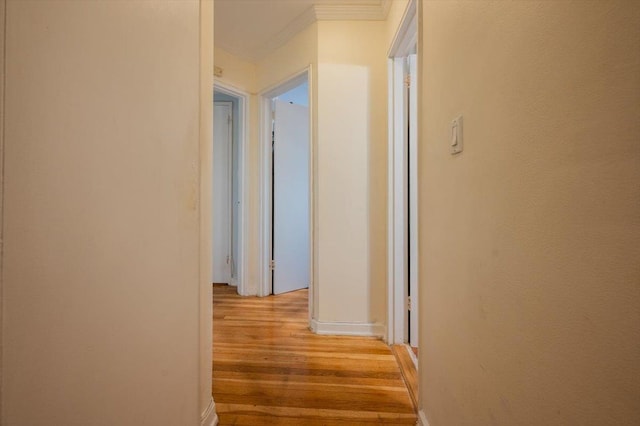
(348, 328)
(209, 417)
(422, 418)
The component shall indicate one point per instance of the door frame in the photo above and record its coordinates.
(266, 115)
(397, 274)
(229, 177)
(243, 136)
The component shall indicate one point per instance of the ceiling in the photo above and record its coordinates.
(251, 29)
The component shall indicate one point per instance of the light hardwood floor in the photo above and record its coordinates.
(269, 369)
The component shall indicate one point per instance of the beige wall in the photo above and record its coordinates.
(529, 238)
(101, 219)
(235, 71)
(352, 171)
(207, 412)
(2, 31)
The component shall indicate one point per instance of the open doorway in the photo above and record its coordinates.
(286, 190)
(403, 185)
(290, 192)
(229, 206)
(223, 168)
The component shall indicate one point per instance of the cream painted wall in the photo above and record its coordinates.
(351, 171)
(208, 415)
(530, 238)
(235, 71)
(2, 38)
(101, 219)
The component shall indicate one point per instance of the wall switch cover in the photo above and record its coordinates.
(456, 135)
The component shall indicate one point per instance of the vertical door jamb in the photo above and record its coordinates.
(398, 276)
(413, 199)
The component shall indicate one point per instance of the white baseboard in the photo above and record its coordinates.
(413, 356)
(422, 418)
(348, 328)
(209, 417)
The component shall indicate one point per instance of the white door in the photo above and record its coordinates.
(290, 198)
(222, 137)
(413, 199)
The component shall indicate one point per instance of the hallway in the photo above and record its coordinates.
(268, 368)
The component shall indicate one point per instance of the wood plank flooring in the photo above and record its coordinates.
(269, 369)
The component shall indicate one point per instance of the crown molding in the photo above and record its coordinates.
(375, 10)
(344, 10)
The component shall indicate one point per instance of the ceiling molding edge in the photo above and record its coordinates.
(375, 11)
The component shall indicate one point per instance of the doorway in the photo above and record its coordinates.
(286, 189)
(229, 205)
(290, 197)
(403, 185)
(223, 168)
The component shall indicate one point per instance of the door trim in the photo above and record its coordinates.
(243, 228)
(265, 114)
(397, 274)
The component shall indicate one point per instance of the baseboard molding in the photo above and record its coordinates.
(209, 417)
(422, 418)
(348, 328)
(413, 356)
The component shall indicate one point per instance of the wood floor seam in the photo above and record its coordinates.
(270, 369)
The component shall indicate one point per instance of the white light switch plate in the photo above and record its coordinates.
(456, 135)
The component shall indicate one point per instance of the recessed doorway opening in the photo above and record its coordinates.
(229, 194)
(286, 187)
